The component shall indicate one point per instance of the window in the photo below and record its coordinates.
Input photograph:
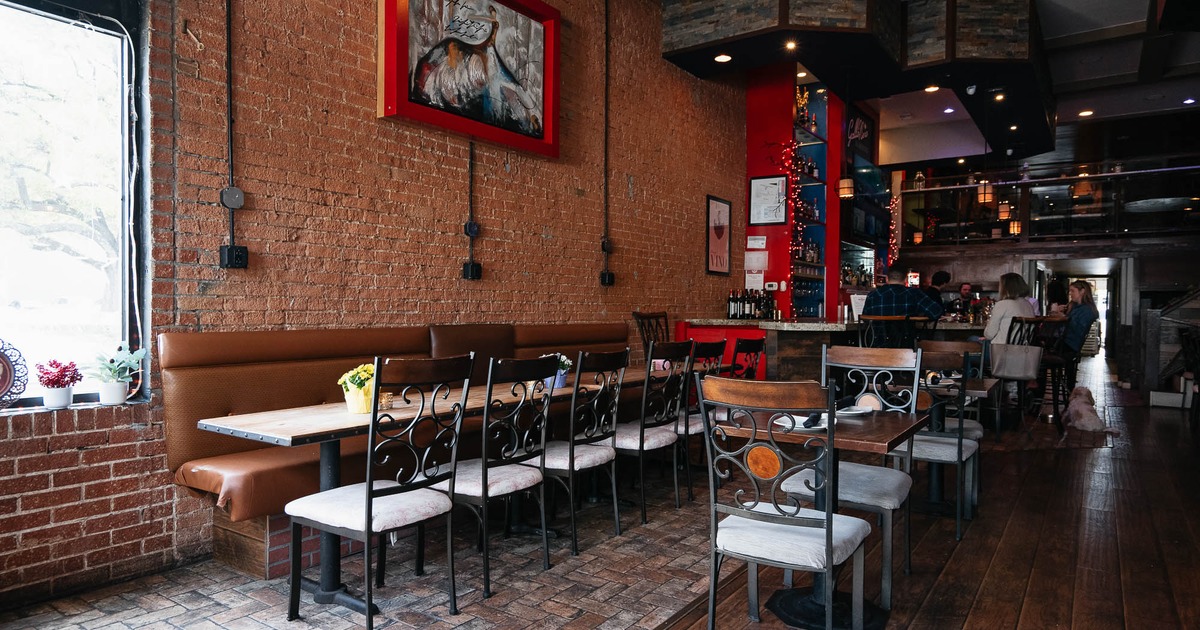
(65, 189)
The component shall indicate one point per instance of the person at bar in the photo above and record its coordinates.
(895, 298)
(936, 285)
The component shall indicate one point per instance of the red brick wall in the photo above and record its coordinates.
(355, 221)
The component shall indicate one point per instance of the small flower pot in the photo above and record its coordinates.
(358, 400)
(114, 393)
(56, 397)
(559, 380)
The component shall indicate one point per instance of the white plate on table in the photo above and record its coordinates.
(786, 423)
(855, 410)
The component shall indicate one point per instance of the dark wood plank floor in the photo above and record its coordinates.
(1078, 538)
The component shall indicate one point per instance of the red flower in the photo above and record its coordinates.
(57, 375)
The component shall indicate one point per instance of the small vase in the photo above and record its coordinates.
(56, 397)
(560, 379)
(114, 393)
(358, 400)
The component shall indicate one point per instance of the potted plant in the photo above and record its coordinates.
(57, 378)
(115, 371)
(356, 386)
(560, 379)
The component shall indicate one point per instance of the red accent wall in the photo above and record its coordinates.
(769, 97)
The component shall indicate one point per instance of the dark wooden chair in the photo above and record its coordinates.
(652, 327)
(747, 353)
(890, 331)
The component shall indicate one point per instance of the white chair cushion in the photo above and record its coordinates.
(656, 437)
(558, 455)
(885, 488)
(932, 448)
(468, 479)
(346, 507)
(804, 546)
(695, 425)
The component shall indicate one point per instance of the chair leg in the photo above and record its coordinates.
(714, 563)
(545, 534)
(752, 590)
(959, 496)
(856, 603)
(381, 559)
(1056, 377)
(907, 536)
(487, 575)
(612, 477)
(787, 578)
(675, 475)
(687, 465)
(450, 561)
(571, 512)
(642, 483)
(294, 581)
(420, 568)
(367, 579)
(885, 595)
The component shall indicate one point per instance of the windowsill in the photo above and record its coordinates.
(12, 411)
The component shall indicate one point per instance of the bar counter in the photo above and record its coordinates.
(793, 347)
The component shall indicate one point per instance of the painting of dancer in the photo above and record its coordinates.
(483, 67)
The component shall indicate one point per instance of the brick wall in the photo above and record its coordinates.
(355, 221)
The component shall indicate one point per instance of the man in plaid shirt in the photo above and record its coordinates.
(894, 298)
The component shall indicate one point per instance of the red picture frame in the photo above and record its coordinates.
(407, 87)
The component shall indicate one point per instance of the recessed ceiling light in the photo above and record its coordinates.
(932, 88)
(722, 58)
(948, 110)
(999, 96)
(820, 90)
(801, 75)
(962, 160)
(1012, 127)
(1188, 101)
(790, 45)
(1086, 112)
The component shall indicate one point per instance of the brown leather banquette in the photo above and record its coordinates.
(212, 374)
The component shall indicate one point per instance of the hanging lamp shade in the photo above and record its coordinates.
(1014, 228)
(985, 193)
(846, 188)
(1005, 211)
(917, 238)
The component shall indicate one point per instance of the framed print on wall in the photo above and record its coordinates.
(768, 200)
(487, 69)
(717, 250)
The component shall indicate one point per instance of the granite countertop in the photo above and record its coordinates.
(812, 324)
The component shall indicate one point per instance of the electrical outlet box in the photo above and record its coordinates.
(234, 257)
(607, 278)
(472, 271)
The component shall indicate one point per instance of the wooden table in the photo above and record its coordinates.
(878, 432)
(327, 425)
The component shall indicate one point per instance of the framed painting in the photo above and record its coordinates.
(717, 249)
(487, 69)
(768, 200)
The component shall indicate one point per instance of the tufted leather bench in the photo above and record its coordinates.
(211, 374)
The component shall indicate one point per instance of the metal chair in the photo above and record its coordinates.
(407, 461)
(652, 327)
(706, 360)
(589, 445)
(668, 365)
(514, 433)
(763, 524)
(886, 379)
(747, 353)
(946, 355)
(1046, 332)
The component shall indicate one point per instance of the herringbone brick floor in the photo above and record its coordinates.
(637, 580)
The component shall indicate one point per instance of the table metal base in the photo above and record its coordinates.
(339, 597)
(798, 607)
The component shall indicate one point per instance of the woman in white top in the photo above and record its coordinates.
(1011, 304)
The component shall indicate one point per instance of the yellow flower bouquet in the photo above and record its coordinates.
(357, 385)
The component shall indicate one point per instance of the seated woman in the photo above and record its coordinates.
(1012, 304)
(1080, 315)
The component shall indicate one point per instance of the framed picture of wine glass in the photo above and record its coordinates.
(768, 200)
(717, 251)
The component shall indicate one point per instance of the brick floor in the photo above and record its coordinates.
(637, 580)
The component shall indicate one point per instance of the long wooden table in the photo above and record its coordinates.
(327, 425)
